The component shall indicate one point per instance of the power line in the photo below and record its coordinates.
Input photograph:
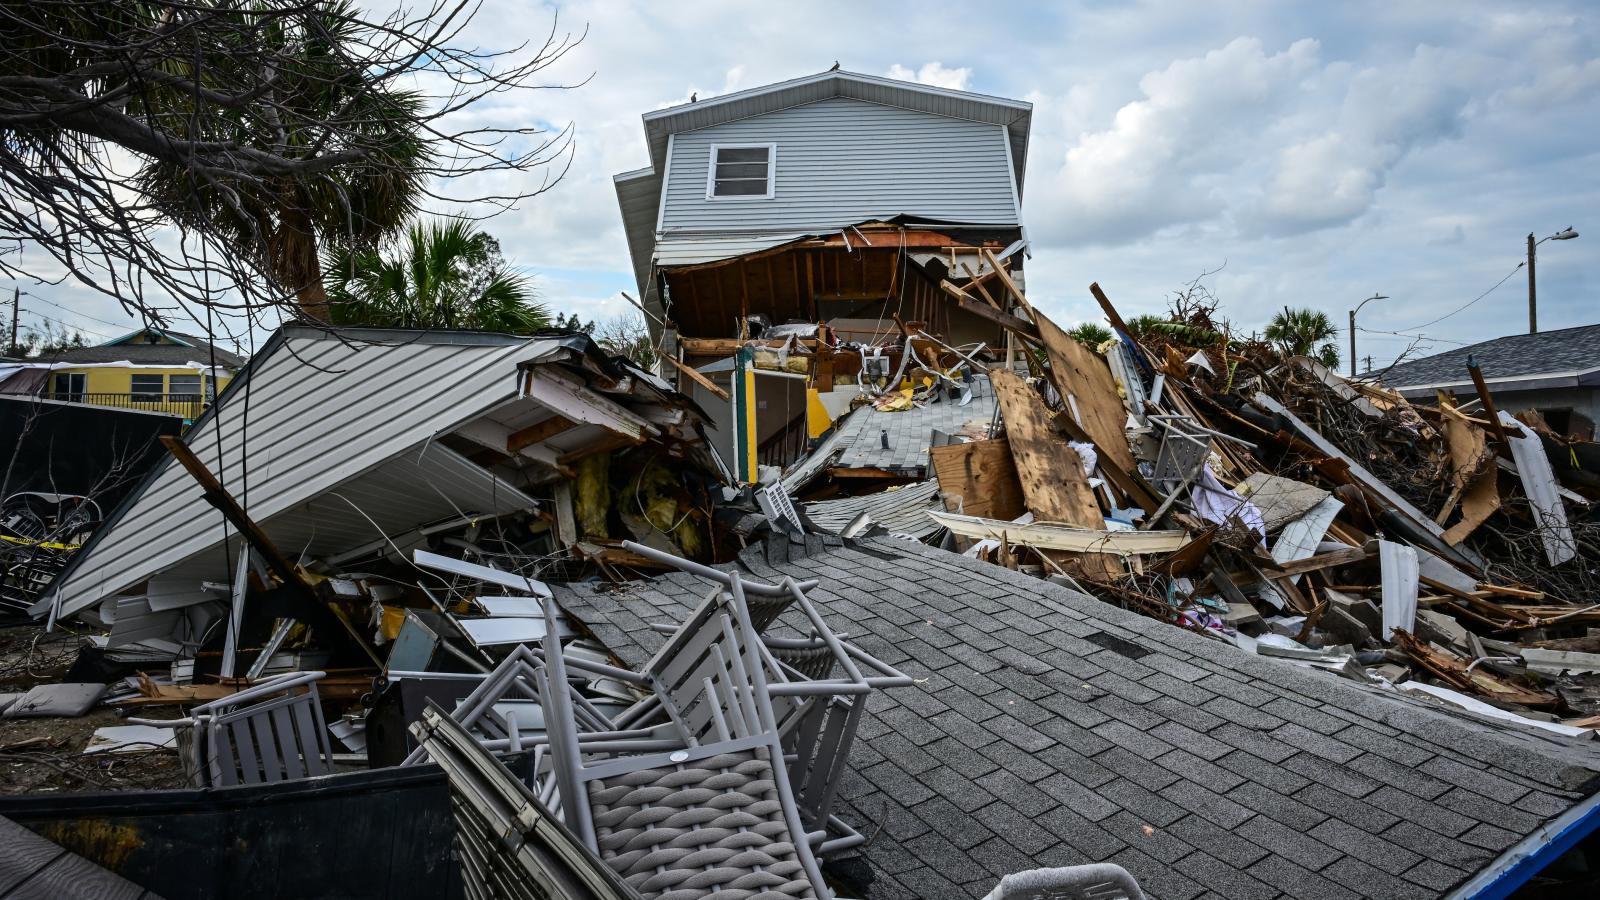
(68, 325)
(78, 314)
(1469, 302)
(1408, 334)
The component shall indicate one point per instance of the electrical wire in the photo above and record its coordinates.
(1469, 303)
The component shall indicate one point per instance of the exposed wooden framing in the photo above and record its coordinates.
(802, 303)
(612, 442)
(720, 347)
(811, 284)
(580, 404)
(974, 282)
(699, 379)
(984, 311)
(537, 433)
(1317, 563)
(1005, 279)
(744, 298)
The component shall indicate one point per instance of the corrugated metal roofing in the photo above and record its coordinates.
(362, 398)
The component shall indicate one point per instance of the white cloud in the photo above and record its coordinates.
(933, 73)
(1405, 148)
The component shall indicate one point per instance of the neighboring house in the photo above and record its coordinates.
(151, 369)
(1554, 372)
(837, 200)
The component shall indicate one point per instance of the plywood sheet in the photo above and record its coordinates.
(1081, 375)
(983, 475)
(1054, 484)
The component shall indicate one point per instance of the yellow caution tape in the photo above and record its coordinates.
(48, 545)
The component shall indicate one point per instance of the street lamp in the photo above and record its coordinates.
(1565, 234)
(1353, 312)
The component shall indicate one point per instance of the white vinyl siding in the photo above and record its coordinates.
(841, 161)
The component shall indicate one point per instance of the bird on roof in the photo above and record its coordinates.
(835, 66)
(693, 97)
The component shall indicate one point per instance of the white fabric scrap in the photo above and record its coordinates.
(1215, 503)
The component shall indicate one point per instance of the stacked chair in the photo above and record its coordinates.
(720, 780)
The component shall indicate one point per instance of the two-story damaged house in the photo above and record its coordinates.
(796, 237)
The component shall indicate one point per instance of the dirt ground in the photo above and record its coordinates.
(39, 755)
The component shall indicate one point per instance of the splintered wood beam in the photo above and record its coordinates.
(984, 311)
(538, 433)
(1111, 311)
(1005, 279)
(973, 281)
(698, 378)
(218, 496)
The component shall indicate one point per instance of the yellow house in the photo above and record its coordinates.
(150, 369)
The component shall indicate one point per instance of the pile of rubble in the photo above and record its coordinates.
(1229, 488)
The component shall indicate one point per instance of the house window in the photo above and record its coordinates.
(741, 172)
(183, 387)
(68, 386)
(148, 387)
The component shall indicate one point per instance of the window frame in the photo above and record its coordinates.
(159, 395)
(176, 396)
(711, 172)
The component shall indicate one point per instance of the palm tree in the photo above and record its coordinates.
(1306, 332)
(1092, 333)
(444, 275)
(286, 223)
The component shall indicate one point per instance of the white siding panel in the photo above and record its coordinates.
(318, 412)
(842, 161)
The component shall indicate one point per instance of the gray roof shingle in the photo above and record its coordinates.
(1546, 353)
(1196, 766)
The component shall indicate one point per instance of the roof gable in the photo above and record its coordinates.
(1016, 115)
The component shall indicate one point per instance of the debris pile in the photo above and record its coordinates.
(1229, 488)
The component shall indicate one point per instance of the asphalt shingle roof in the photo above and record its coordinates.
(1047, 728)
(902, 510)
(857, 441)
(1518, 355)
(154, 354)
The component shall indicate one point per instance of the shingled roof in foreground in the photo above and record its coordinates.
(1047, 728)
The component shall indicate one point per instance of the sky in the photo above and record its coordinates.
(1305, 154)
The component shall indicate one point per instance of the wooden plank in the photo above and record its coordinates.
(1053, 481)
(1005, 279)
(1111, 311)
(1082, 375)
(697, 378)
(984, 311)
(1315, 563)
(983, 475)
(1061, 537)
(537, 433)
(613, 442)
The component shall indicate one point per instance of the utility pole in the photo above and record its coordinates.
(1375, 296)
(16, 313)
(1369, 364)
(1565, 234)
(1533, 297)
